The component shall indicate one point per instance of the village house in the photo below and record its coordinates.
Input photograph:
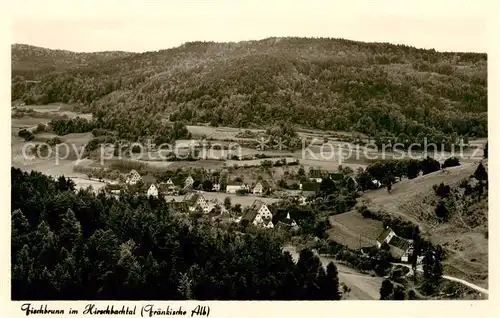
(133, 177)
(170, 184)
(152, 191)
(310, 187)
(215, 179)
(233, 188)
(217, 205)
(288, 222)
(400, 248)
(317, 175)
(188, 183)
(259, 215)
(258, 189)
(195, 200)
(176, 204)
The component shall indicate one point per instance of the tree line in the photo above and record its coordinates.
(72, 244)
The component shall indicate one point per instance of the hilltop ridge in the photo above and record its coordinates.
(329, 84)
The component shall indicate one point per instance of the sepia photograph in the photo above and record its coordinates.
(218, 151)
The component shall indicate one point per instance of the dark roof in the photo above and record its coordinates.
(257, 204)
(308, 193)
(287, 221)
(400, 243)
(336, 176)
(250, 215)
(311, 186)
(191, 197)
(176, 205)
(252, 211)
(317, 173)
(384, 235)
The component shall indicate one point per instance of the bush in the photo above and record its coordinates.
(451, 162)
(23, 133)
(442, 190)
(430, 165)
(54, 141)
(136, 149)
(442, 211)
(29, 137)
(40, 128)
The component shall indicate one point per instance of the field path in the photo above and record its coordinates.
(455, 279)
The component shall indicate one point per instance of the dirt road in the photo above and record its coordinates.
(455, 279)
(363, 287)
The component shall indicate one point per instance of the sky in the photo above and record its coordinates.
(146, 25)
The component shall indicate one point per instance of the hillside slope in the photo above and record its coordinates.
(464, 236)
(333, 84)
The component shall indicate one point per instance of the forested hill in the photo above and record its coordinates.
(31, 61)
(333, 84)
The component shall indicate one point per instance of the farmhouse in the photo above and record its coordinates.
(188, 183)
(170, 184)
(317, 175)
(310, 187)
(218, 206)
(195, 200)
(215, 179)
(259, 215)
(176, 204)
(233, 188)
(152, 191)
(400, 248)
(258, 189)
(288, 222)
(133, 177)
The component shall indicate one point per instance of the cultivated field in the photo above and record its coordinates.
(353, 230)
(58, 109)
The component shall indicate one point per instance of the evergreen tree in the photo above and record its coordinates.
(330, 284)
(71, 230)
(480, 173)
(386, 290)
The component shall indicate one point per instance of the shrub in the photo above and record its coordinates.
(451, 162)
(23, 133)
(442, 190)
(54, 141)
(442, 211)
(430, 165)
(29, 137)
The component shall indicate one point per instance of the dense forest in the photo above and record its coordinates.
(70, 245)
(379, 89)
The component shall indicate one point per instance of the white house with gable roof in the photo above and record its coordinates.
(152, 191)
